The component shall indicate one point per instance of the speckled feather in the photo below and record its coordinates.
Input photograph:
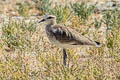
(69, 36)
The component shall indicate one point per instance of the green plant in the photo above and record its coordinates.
(111, 19)
(62, 13)
(43, 5)
(83, 10)
(16, 34)
(23, 9)
(97, 23)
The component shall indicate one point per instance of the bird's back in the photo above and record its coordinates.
(67, 37)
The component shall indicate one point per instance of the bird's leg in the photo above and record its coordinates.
(64, 56)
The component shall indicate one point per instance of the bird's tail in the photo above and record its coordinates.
(98, 44)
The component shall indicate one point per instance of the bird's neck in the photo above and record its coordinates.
(49, 27)
(50, 24)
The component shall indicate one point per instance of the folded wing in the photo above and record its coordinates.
(69, 36)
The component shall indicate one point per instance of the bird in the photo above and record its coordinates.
(65, 37)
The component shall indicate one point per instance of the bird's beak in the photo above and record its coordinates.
(41, 21)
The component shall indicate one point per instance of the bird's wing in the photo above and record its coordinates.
(70, 36)
(62, 34)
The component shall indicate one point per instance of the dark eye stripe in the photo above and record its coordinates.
(49, 17)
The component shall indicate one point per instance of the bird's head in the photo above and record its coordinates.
(49, 19)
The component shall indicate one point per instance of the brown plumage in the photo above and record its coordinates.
(67, 35)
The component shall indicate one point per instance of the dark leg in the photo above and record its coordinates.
(64, 56)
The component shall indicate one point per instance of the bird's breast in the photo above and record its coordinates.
(51, 37)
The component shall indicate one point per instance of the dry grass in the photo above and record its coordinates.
(26, 54)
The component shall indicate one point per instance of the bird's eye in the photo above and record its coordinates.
(49, 17)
